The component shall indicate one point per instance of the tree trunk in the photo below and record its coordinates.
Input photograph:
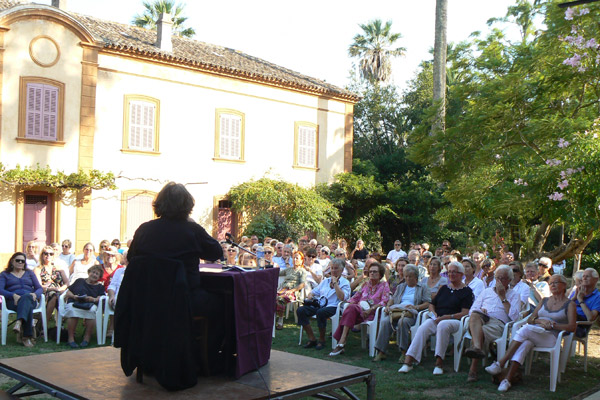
(541, 235)
(439, 64)
(575, 246)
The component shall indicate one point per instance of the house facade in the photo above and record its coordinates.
(79, 93)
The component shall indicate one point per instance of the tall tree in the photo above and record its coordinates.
(439, 64)
(522, 143)
(153, 9)
(375, 47)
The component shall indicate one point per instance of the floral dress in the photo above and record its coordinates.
(53, 279)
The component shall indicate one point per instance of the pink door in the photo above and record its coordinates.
(37, 218)
(225, 220)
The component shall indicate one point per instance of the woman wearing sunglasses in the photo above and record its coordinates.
(54, 280)
(21, 291)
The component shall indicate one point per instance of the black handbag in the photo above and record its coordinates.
(83, 306)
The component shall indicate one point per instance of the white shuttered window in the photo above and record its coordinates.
(230, 136)
(41, 121)
(142, 125)
(138, 210)
(307, 146)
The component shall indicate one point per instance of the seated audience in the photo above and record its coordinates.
(21, 291)
(452, 302)
(83, 297)
(544, 268)
(359, 255)
(66, 254)
(398, 275)
(434, 281)
(518, 285)
(323, 257)
(374, 294)
(361, 279)
(33, 252)
(101, 248)
(492, 309)
(54, 280)
(314, 271)
(409, 298)
(554, 314)
(113, 292)
(395, 253)
(292, 285)
(80, 266)
(57, 261)
(268, 250)
(349, 271)
(414, 258)
(487, 271)
(330, 292)
(110, 265)
(587, 299)
(478, 259)
(231, 253)
(471, 280)
(577, 276)
(247, 260)
(538, 289)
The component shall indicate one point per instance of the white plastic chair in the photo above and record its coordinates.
(61, 312)
(578, 342)
(369, 329)
(335, 321)
(41, 309)
(559, 355)
(108, 311)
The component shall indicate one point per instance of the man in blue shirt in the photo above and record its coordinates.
(587, 300)
(330, 292)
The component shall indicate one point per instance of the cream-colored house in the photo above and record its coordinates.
(81, 93)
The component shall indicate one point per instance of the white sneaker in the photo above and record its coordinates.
(438, 371)
(504, 386)
(405, 368)
(494, 369)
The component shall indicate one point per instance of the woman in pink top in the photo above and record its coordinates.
(374, 294)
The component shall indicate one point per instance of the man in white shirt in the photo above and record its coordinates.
(491, 310)
(395, 253)
(538, 289)
(58, 262)
(330, 292)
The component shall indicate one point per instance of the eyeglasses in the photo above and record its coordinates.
(65, 246)
(516, 270)
(268, 252)
(397, 244)
(310, 256)
(231, 250)
(47, 254)
(19, 261)
(426, 256)
(543, 265)
(103, 247)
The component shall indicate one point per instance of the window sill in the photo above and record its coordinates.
(305, 168)
(41, 141)
(218, 159)
(140, 152)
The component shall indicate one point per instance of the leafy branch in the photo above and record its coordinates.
(44, 176)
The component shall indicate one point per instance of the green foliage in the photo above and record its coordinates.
(44, 176)
(521, 140)
(280, 204)
(266, 224)
(153, 9)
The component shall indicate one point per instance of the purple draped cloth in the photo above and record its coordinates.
(254, 294)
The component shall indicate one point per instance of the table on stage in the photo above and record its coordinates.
(251, 301)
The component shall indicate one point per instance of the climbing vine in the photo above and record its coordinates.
(44, 176)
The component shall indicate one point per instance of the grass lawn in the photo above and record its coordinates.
(419, 384)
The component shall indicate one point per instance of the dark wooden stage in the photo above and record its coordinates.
(96, 374)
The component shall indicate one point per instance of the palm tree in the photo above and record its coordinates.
(374, 48)
(153, 10)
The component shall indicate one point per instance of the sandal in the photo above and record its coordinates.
(73, 345)
(310, 344)
(320, 346)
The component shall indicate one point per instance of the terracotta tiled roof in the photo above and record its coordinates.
(204, 56)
